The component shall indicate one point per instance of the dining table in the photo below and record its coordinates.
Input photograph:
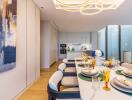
(88, 93)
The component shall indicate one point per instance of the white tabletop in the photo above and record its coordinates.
(87, 93)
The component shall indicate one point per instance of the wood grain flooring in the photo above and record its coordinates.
(38, 91)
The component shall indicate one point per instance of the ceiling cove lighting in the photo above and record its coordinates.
(87, 7)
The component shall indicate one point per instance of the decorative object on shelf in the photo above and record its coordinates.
(8, 20)
(72, 49)
(87, 7)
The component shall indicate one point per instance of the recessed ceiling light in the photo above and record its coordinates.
(42, 7)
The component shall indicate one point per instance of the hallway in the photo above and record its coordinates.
(38, 91)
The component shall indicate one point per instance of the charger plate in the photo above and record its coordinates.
(117, 87)
(85, 78)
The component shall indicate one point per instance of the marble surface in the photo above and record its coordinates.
(88, 93)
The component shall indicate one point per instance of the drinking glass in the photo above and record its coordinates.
(95, 83)
(95, 86)
(106, 79)
(93, 63)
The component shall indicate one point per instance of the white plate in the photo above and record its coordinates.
(121, 84)
(126, 72)
(113, 84)
(90, 72)
(130, 76)
(87, 75)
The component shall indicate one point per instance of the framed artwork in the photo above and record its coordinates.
(8, 24)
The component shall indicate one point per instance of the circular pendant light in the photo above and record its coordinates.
(87, 7)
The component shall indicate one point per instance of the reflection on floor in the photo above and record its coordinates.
(38, 91)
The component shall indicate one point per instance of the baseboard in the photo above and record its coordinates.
(24, 90)
(42, 68)
(52, 63)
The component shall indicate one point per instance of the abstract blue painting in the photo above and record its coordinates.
(8, 22)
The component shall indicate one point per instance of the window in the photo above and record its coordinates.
(126, 39)
(113, 41)
(102, 41)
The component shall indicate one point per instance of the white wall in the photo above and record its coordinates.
(14, 81)
(49, 44)
(72, 38)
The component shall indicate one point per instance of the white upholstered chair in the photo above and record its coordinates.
(54, 92)
(63, 68)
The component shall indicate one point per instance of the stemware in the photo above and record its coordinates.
(106, 79)
(95, 82)
(95, 86)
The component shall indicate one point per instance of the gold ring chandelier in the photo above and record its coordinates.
(87, 7)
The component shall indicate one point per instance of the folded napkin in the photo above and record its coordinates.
(128, 72)
(89, 71)
(125, 81)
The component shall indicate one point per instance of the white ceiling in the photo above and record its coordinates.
(75, 22)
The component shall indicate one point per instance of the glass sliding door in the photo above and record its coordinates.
(126, 39)
(113, 41)
(102, 40)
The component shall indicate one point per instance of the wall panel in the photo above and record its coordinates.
(15, 81)
(31, 31)
(37, 42)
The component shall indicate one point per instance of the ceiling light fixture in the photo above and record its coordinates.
(87, 7)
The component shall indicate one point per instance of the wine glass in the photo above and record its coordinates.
(95, 82)
(95, 86)
(106, 79)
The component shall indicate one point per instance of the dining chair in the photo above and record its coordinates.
(69, 75)
(54, 92)
(127, 65)
(64, 68)
(69, 63)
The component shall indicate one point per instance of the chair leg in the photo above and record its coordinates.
(49, 97)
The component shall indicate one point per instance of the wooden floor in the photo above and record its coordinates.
(38, 91)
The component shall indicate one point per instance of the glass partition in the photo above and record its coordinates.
(113, 41)
(126, 39)
(110, 44)
(102, 41)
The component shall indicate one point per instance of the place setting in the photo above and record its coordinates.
(90, 71)
(125, 72)
(123, 80)
(122, 83)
